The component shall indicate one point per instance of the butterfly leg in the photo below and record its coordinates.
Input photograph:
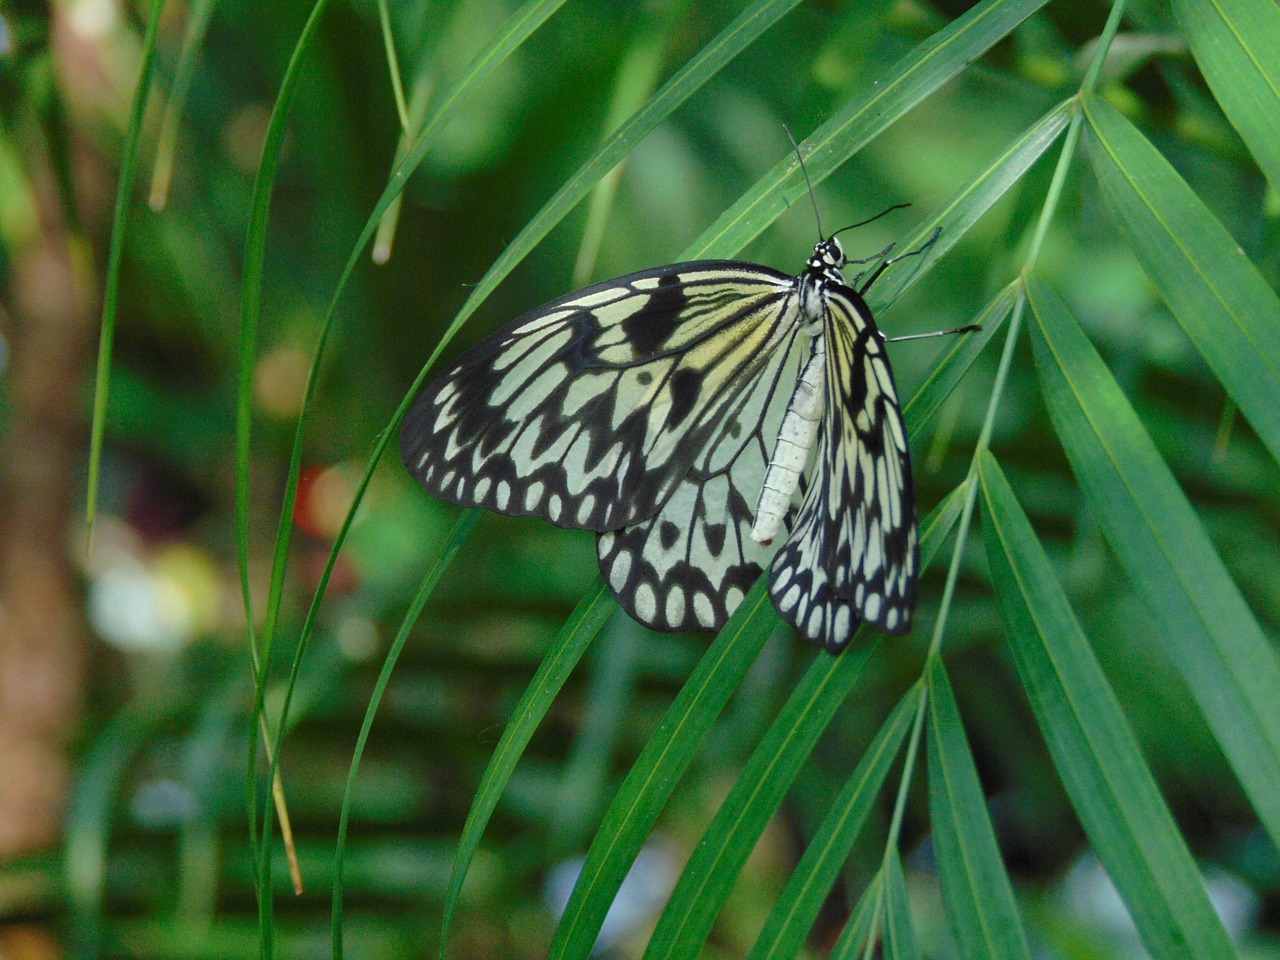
(936, 333)
(872, 259)
(885, 265)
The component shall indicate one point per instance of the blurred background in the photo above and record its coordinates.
(125, 682)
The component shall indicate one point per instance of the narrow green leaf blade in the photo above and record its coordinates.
(566, 650)
(912, 79)
(1216, 294)
(1212, 637)
(858, 929)
(975, 886)
(1091, 744)
(462, 528)
(792, 916)
(658, 769)
(711, 872)
(946, 376)
(968, 205)
(899, 931)
(1235, 43)
(716, 862)
(115, 257)
(736, 37)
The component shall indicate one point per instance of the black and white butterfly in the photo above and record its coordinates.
(675, 411)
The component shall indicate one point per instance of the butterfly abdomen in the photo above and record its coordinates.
(791, 450)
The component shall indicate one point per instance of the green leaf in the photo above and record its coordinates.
(899, 931)
(566, 650)
(658, 769)
(1091, 744)
(115, 257)
(950, 370)
(955, 217)
(858, 929)
(793, 915)
(975, 885)
(664, 759)
(1216, 294)
(712, 58)
(1235, 43)
(1212, 638)
(912, 79)
(462, 528)
(198, 16)
(736, 828)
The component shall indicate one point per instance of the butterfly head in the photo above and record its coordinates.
(828, 260)
(822, 269)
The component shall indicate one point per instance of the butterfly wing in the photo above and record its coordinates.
(591, 410)
(688, 567)
(852, 554)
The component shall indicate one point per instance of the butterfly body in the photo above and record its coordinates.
(674, 412)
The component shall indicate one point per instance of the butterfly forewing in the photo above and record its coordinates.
(852, 554)
(591, 410)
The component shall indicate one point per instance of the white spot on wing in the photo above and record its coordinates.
(675, 605)
(620, 570)
(533, 496)
(703, 610)
(840, 627)
(872, 609)
(646, 603)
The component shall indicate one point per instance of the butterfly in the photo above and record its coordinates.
(675, 412)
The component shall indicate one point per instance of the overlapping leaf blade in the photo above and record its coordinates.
(1216, 294)
(975, 885)
(1235, 44)
(907, 83)
(792, 916)
(658, 769)
(1091, 744)
(1213, 639)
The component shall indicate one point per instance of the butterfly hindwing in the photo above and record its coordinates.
(688, 567)
(852, 554)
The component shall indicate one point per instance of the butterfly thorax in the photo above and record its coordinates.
(823, 268)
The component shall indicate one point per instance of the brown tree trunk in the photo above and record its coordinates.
(50, 326)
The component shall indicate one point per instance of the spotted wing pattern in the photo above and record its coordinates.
(591, 410)
(688, 567)
(852, 554)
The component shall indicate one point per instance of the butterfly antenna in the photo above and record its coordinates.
(882, 213)
(807, 182)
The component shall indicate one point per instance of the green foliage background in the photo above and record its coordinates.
(1094, 660)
